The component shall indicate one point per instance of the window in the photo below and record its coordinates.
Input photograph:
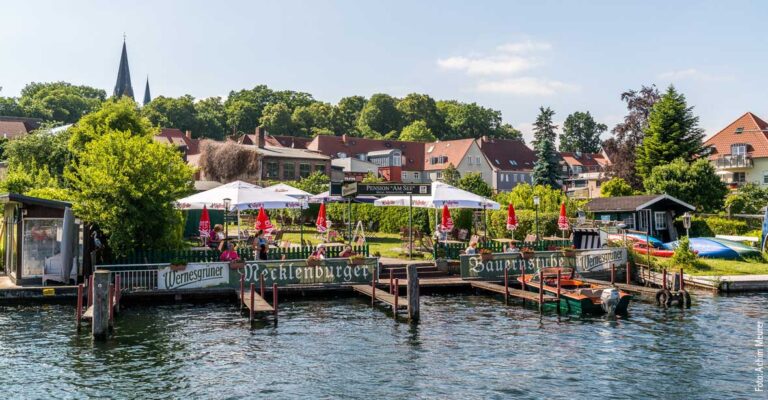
(630, 222)
(439, 175)
(416, 175)
(739, 130)
(739, 177)
(397, 160)
(738, 149)
(272, 170)
(403, 175)
(305, 170)
(642, 220)
(565, 168)
(765, 177)
(513, 163)
(320, 168)
(289, 171)
(660, 220)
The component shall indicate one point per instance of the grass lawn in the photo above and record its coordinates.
(387, 244)
(717, 267)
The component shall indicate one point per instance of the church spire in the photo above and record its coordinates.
(123, 85)
(147, 96)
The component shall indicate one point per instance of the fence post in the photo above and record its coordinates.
(390, 281)
(413, 292)
(79, 311)
(100, 322)
(664, 279)
(373, 289)
(629, 274)
(559, 286)
(261, 285)
(397, 296)
(274, 299)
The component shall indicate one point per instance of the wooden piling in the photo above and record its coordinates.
(373, 290)
(391, 281)
(541, 288)
(111, 301)
(506, 285)
(413, 292)
(397, 295)
(522, 277)
(628, 274)
(613, 274)
(261, 285)
(682, 281)
(90, 291)
(118, 291)
(253, 296)
(664, 279)
(100, 322)
(274, 298)
(79, 310)
(242, 291)
(559, 287)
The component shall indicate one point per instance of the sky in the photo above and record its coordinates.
(512, 56)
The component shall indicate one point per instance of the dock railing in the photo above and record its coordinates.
(134, 277)
(454, 250)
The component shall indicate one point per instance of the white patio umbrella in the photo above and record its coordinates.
(288, 190)
(442, 194)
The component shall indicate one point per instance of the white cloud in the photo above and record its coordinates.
(526, 86)
(693, 74)
(487, 65)
(524, 47)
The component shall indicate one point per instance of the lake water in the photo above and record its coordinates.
(465, 347)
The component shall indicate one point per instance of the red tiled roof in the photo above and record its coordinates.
(453, 151)
(507, 154)
(13, 127)
(585, 159)
(413, 152)
(296, 142)
(176, 137)
(753, 132)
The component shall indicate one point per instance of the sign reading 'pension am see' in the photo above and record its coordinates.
(386, 189)
(473, 266)
(292, 272)
(194, 276)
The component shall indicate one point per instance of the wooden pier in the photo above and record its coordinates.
(381, 296)
(102, 304)
(254, 302)
(517, 293)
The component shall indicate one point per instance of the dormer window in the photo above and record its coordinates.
(513, 163)
(739, 130)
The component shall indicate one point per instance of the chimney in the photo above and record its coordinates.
(260, 136)
(189, 134)
(344, 138)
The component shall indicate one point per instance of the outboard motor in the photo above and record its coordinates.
(609, 300)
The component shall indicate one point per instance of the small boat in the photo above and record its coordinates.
(578, 296)
(643, 248)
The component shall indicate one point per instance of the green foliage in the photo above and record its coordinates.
(380, 115)
(346, 113)
(473, 182)
(711, 226)
(59, 101)
(696, 184)
(371, 178)
(41, 149)
(750, 199)
(22, 180)
(114, 115)
(417, 132)
(672, 133)
(421, 107)
(684, 256)
(169, 112)
(277, 119)
(211, 119)
(312, 119)
(616, 187)
(546, 169)
(126, 184)
(464, 120)
(242, 116)
(451, 175)
(581, 133)
(387, 219)
(521, 196)
(317, 182)
(526, 224)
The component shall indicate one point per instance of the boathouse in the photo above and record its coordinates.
(33, 240)
(646, 213)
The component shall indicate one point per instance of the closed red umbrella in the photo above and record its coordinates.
(205, 225)
(322, 222)
(511, 218)
(262, 221)
(446, 223)
(562, 222)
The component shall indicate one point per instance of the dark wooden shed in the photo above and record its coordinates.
(642, 213)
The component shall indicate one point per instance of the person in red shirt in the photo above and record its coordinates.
(229, 254)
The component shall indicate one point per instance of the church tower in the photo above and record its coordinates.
(147, 96)
(123, 85)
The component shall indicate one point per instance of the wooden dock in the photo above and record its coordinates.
(518, 293)
(254, 302)
(430, 282)
(259, 304)
(382, 296)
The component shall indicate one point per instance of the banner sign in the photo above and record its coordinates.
(194, 276)
(295, 272)
(386, 189)
(473, 266)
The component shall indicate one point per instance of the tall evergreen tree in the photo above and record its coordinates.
(672, 133)
(545, 171)
(581, 133)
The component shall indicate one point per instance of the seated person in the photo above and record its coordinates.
(511, 248)
(263, 252)
(347, 252)
(229, 254)
(320, 252)
(472, 249)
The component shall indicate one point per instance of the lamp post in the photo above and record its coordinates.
(227, 203)
(536, 203)
(687, 222)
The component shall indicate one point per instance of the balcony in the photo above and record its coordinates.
(733, 162)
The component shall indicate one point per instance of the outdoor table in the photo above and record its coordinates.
(506, 240)
(450, 241)
(334, 244)
(204, 248)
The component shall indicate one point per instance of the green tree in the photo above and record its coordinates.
(372, 178)
(317, 182)
(169, 112)
(421, 107)
(672, 133)
(451, 175)
(277, 119)
(346, 113)
(694, 183)
(506, 131)
(469, 120)
(242, 116)
(59, 101)
(211, 119)
(114, 115)
(311, 119)
(545, 170)
(380, 115)
(40, 149)
(10, 107)
(750, 199)
(581, 133)
(616, 187)
(417, 132)
(126, 184)
(473, 182)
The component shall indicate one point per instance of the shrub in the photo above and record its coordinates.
(526, 224)
(226, 162)
(684, 256)
(711, 226)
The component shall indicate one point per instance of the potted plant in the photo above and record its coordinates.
(568, 251)
(357, 259)
(486, 254)
(527, 253)
(314, 261)
(178, 264)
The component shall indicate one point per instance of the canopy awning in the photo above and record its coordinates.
(288, 190)
(443, 194)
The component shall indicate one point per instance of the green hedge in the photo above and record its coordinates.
(387, 219)
(526, 224)
(711, 226)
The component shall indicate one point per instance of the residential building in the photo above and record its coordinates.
(183, 141)
(297, 142)
(511, 162)
(396, 161)
(464, 154)
(654, 212)
(280, 163)
(355, 168)
(739, 151)
(15, 127)
(582, 173)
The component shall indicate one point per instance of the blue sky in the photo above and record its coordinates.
(511, 56)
